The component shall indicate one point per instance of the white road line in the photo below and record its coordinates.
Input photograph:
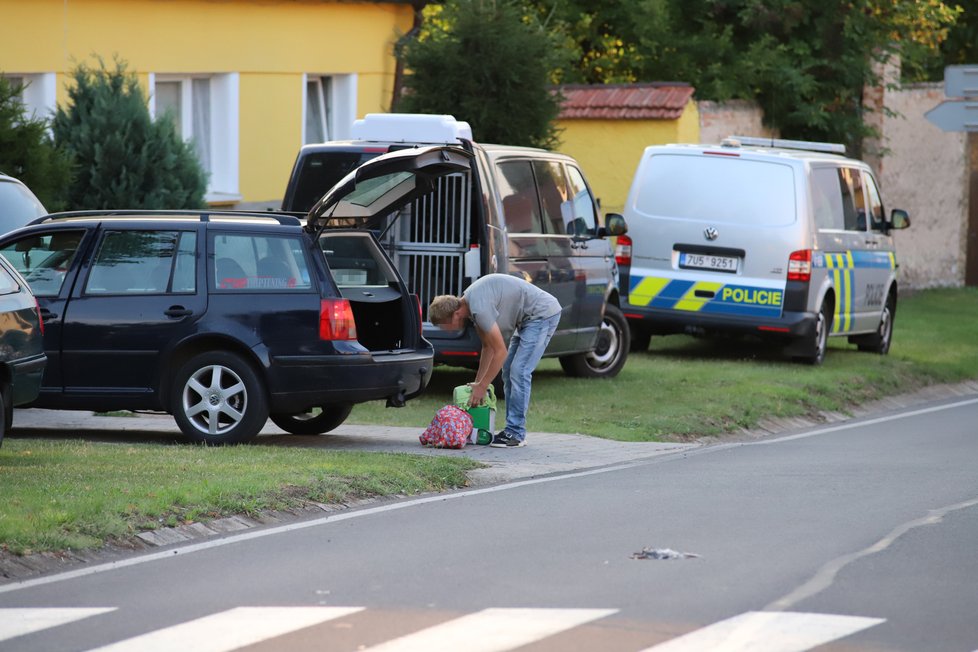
(334, 518)
(17, 622)
(230, 630)
(493, 630)
(765, 631)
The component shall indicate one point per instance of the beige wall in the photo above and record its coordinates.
(735, 118)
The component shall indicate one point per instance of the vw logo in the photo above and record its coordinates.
(710, 233)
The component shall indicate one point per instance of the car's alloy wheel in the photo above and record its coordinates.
(219, 399)
(610, 349)
(314, 421)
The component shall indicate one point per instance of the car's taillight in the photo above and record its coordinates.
(336, 320)
(40, 319)
(623, 250)
(800, 265)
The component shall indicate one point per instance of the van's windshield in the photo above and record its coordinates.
(717, 189)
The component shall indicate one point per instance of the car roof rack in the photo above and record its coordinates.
(808, 145)
(203, 215)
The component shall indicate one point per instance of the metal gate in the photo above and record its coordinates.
(430, 238)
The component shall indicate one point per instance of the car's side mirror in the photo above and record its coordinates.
(614, 225)
(899, 219)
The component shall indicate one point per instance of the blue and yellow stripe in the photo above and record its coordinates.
(841, 267)
(705, 296)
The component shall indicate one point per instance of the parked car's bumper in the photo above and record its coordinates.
(790, 325)
(299, 382)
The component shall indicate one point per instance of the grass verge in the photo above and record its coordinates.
(61, 495)
(686, 387)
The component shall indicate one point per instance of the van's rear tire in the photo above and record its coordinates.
(641, 337)
(819, 337)
(610, 350)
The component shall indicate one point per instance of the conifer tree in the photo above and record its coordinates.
(123, 158)
(27, 151)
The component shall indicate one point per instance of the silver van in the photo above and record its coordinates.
(522, 211)
(784, 239)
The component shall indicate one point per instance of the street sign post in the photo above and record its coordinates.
(961, 112)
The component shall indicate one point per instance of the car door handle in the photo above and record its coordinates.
(177, 311)
(47, 315)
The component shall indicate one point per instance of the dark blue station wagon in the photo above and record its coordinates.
(225, 319)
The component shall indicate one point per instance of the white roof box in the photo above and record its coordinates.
(411, 128)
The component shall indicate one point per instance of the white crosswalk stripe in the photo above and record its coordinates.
(230, 630)
(489, 630)
(765, 631)
(493, 630)
(17, 622)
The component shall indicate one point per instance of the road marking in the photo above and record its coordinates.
(765, 631)
(229, 630)
(493, 630)
(17, 622)
(169, 553)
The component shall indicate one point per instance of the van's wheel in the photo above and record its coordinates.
(218, 398)
(820, 338)
(879, 342)
(314, 421)
(610, 349)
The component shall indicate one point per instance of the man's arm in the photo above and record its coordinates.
(490, 362)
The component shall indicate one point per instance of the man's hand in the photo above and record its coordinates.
(478, 393)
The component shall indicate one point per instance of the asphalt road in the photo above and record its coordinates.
(854, 536)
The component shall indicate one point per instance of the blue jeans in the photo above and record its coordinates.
(526, 347)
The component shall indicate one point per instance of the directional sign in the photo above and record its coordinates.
(955, 115)
(961, 81)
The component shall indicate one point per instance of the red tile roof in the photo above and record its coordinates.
(655, 101)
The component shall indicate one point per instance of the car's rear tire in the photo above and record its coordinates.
(641, 337)
(879, 342)
(314, 421)
(218, 398)
(610, 350)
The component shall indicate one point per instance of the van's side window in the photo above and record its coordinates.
(584, 216)
(875, 205)
(827, 199)
(853, 199)
(519, 196)
(553, 194)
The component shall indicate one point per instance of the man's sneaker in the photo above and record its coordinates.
(504, 440)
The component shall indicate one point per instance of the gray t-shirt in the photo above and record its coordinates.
(509, 302)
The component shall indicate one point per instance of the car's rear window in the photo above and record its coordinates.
(322, 171)
(720, 189)
(17, 206)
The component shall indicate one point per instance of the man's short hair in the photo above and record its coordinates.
(442, 308)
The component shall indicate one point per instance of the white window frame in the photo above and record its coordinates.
(223, 143)
(39, 94)
(341, 111)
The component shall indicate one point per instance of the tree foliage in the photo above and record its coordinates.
(27, 151)
(123, 158)
(486, 62)
(805, 61)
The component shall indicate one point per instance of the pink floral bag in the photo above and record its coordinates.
(450, 428)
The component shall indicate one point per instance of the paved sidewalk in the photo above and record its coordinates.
(545, 453)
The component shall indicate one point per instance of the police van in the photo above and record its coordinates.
(784, 239)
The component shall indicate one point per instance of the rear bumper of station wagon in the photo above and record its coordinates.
(296, 383)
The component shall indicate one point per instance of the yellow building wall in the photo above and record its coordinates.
(609, 150)
(269, 43)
